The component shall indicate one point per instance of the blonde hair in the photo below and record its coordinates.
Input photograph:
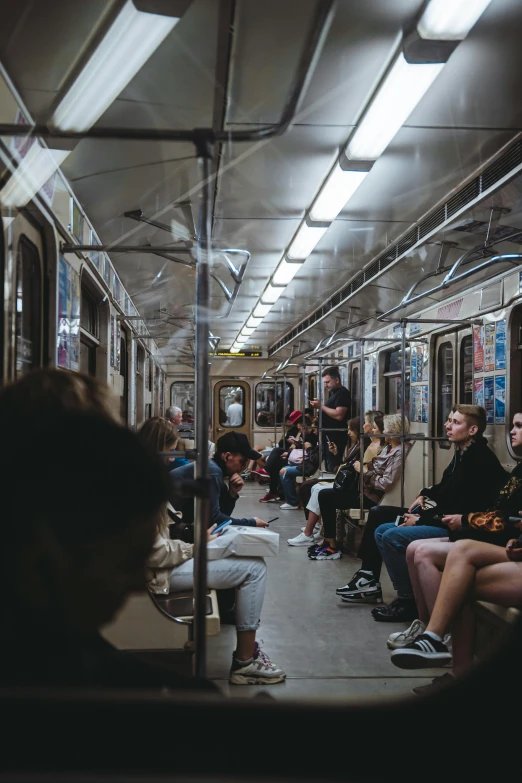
(393, 424)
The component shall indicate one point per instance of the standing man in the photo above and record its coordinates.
(235, 412)
(335, 415)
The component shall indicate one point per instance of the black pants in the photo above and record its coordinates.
(368, 552)
(340, 439)
(273, 465)
(332, 499)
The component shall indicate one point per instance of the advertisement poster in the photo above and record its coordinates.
(68, 326)
(478, 348)
(500, 346)
(350, 351)
(425, 403)
(500, 399)
(416, 404)
(425, 362)
(479, 392)
(489, 399)
(489, 347)
(368, 375)
(117, 345)
(413, 368)
(113, 331)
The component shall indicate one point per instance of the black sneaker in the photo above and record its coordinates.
(437, 684)
(401, 610)
(423, 653)
(373, 593)
(359, 582)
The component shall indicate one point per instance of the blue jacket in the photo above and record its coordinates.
(221, 502)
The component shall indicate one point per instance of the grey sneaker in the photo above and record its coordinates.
(259, 670)
(437, 684)
(402, 638)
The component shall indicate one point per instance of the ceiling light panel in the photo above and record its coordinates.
(246, 332)
(450, 20)
(260, 310)
(285, 272)
(125, 48)
(305, 240)
(253, 323)
(400, 92)
(271, 294)
(31, 175)
(336, 191)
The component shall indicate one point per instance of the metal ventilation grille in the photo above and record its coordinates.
(495, 172)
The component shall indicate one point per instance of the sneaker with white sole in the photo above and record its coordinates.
(259, 670)
(423, 653)
(288, 507)
(325, 553)
(402, 638)
(372, 594)
(301, 540)
(316, 535)
(361, 582)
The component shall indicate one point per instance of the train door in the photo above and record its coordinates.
(26, 317)
(231, 408)
(124, 372)
(444, 397)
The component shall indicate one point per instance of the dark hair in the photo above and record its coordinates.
(333, 372)
(355, 425)
(379, 423)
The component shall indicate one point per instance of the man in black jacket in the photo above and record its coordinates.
(472, 480)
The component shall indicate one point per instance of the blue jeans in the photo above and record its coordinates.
(289, 485)
(246, 574)
(392, 543)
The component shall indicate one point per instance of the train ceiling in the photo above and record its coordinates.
(263, 189)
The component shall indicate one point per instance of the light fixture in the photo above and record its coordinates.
(402, 89)
(127, 45)
(260, 310)
(271, 294)
(285, 272)
(253, 323)
(336, 191)
(234, 350)
(239, 342)
(305, 240)
(32, 173)
(246, 332)
(450, 20)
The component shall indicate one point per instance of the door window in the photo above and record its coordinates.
(466, 370)
(231, 406)
(445, 385)
(28, 308)
(270, 405)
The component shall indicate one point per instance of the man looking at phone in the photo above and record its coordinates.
(336, 412)
(232, 454)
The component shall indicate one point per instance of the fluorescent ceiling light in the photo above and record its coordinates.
(253, 323)
(32, 173)
(125, 48)
(260, 310)
(336, 191)
(285, 272)
(450, 20)
(391, 106)
(305, 240)
(271, 294)
(245, 332)
(239, 342)
(234, 350)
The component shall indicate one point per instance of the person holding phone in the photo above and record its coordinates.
(278, 458)
(336, 411)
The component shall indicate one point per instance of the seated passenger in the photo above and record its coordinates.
(278, 458)
(379, 476)
(170, 568)
(232, 454)
(174, 415)
(426, 559)
(303, 460)
(474, 477)
(155, 429)
(351, 455)
(474, 570)
(75, 534)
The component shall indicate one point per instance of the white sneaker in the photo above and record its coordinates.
(402, 638)
(301, 540)
(259, 670)
(288, 507)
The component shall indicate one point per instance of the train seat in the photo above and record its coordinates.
(148, 622)
(494, 625)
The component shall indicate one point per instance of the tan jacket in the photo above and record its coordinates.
(382, 472)
(166, 554)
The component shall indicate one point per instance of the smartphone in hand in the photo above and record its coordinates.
(221, 527)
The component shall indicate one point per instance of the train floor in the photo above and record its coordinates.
(328, 649)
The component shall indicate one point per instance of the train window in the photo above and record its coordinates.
(89, 313)
(354, 390)
(28, 307)
(89, 330)
(312, 388)
(124, 371)
(466, 370)
(269, 402)
(445, 385)
(393, 380)
(182, 396)
(231, 406)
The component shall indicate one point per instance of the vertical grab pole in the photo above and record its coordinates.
(320, 398)
(403, 406)
(202, 514)
(275, 411)
(303, 406)
(361, 433)
(283, 423)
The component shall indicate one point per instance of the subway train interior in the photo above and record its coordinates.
(208, 204)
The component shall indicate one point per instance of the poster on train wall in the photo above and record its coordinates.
(478, 348)
(419, 363)
(500, 399)
(489, 399)
(500, 346)
(413, 366)
(112, 336)
(489, 347)
(416, 404)
(368, 377)
(478, 392)
(68, 317)
(425, 403)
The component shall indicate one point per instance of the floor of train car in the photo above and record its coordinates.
(327, 648)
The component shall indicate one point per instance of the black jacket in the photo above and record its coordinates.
(473, 479)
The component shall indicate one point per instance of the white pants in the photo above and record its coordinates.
(313, 503)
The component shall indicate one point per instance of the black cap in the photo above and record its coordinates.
(236, 443)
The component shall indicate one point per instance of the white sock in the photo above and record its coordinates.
(367, 573)
(433, 636)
